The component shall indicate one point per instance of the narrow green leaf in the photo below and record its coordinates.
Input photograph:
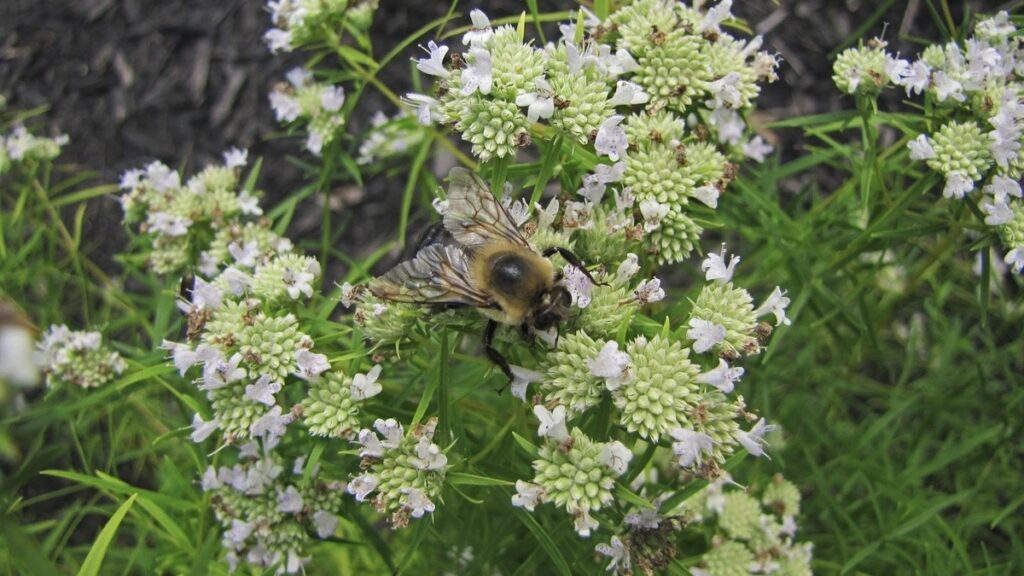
(544, 539)
(525, 444)
(83, 195)
(93, 561)
(466, 479)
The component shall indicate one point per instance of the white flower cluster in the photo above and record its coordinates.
(177, 216)
(266, 510)
(644, 88)
(69, 357)
(299, 23)
(388, 137)
(406, 471)
(317, 105)
(976, 87)
(21, 145)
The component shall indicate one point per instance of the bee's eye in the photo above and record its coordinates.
(545, 321)
(564, 298)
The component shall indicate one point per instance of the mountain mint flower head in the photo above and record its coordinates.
(723, 317)
(676, 238)
(69, 357)
(961, 150)
(332, 407)
(288, 276)
(299, 23)
(753, 532)
(567, 380)
(318, 105)
(406, 471)
(662, 390)
(1012, 235)
(386, 323)
(20, 146)
(868, 69)
(495, 128)
(178, 219)
(578, 476)
(267, 512)
(981, 120)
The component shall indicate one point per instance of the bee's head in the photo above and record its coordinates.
(554, 307)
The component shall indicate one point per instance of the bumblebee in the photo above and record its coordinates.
(479, 258)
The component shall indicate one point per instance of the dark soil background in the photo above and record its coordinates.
(181, 81)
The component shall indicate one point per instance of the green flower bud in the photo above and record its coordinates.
(495, 128)
(733, 308)
(704, 163)
(329, 409)
(77, 358)
(583, 105)
(236, 412)
(515, 67)
(361, 15)
(406, 475)
(796, 561)
(781, 497)
(269, 344)
(544, 238)
(740, 515)
(934, 56)
(608, 309)
(600, 244)
(567, 379)
(575, 478)
(648, 128)
(673, 70)
(726, 56)
(676, 238)
(961, 147)
(388, 323)
(728, 559)
(222, 328)
(264, 240)
(657, 171)
(289, 276)
(662, 391)
(860, 69)
(641, 23)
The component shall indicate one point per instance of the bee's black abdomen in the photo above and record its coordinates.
(436, 233)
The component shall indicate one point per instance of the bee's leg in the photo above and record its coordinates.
(572, 259)
(492, 354)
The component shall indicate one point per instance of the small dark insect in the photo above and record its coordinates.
(480, 259)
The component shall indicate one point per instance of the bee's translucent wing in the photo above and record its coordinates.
(474, 216)
(438, 274)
